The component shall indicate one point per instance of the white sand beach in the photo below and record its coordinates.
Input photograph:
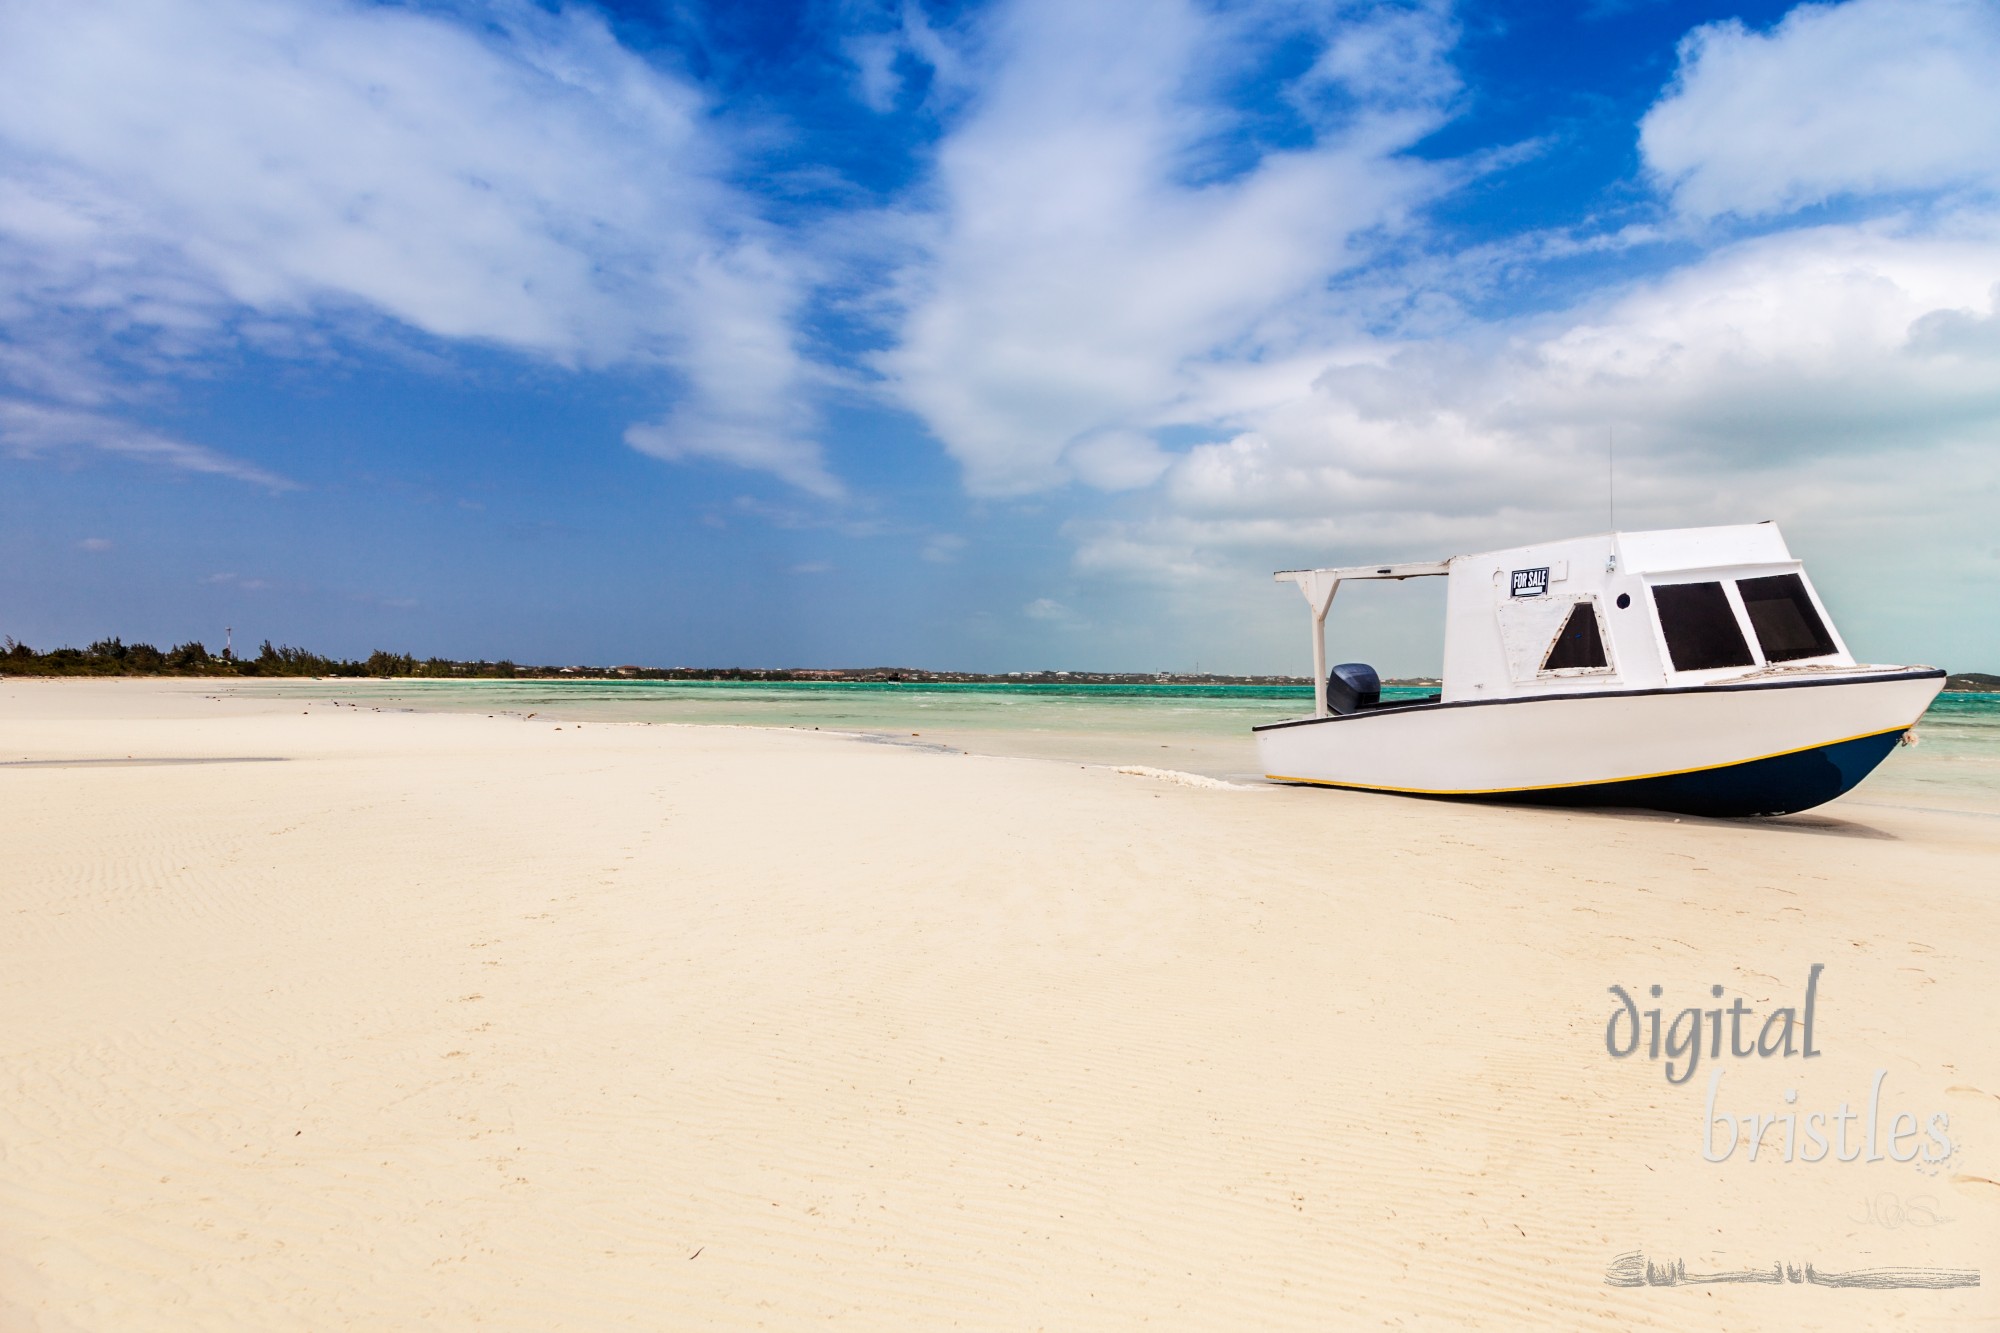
(318, 1017)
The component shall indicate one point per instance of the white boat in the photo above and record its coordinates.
(1692, 670)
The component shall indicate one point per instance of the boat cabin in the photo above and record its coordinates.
(1620, 611)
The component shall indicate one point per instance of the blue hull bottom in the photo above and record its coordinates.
(1781, 785)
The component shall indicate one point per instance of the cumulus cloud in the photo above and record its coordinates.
(1116, 460)
(1861, 98)
(1102, 229)
(1834, 372)
(177, 175)
(1826, 374)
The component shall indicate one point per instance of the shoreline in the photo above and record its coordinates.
(1975, 683)
(1945, 779)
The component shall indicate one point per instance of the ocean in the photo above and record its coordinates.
(1202, 729)
(1956, 760)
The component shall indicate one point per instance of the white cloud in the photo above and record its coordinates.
(1101, 265)
(180, 174)
(1117, 460)
(1861, 98)
(888, 43)
(877, 83)
(1094, 246)
(1047, 608)
(1396, 56)
(943, 548)
(1828, 376)
(762, 442)
(1831, 378)
(33, 430)
(745, 406)
(1087, 278)
(234, 581)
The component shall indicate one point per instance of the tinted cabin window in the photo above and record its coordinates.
(1701, 630)
(1579, 646)
(1788, 627)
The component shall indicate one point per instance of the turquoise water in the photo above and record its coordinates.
(1956, 758)
(1201, 728)
(865, 706)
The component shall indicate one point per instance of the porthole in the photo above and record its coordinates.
(1624, 600)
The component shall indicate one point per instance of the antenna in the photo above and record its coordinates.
(1611, 475)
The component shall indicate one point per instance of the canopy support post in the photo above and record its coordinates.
(1319, 586)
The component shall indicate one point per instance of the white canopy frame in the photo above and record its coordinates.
(1319, 586)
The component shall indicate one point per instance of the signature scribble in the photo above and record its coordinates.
(1634, 1269)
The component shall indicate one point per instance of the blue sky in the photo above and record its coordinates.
(988, 336)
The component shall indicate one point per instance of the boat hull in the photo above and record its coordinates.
(1732, 750)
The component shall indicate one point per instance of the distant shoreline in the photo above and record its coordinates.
(691, 675)
(111, 657)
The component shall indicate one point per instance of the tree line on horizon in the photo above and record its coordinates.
(114, 657)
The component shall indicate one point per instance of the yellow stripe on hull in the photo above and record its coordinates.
(1590, 782)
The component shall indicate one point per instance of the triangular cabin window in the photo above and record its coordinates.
(1580, 646)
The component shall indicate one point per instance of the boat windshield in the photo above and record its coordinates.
(1700, 628)
(1787, 624)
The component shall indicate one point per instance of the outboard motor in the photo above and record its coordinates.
(1351, 687)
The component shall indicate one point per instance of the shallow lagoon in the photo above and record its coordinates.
(1197, 728)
